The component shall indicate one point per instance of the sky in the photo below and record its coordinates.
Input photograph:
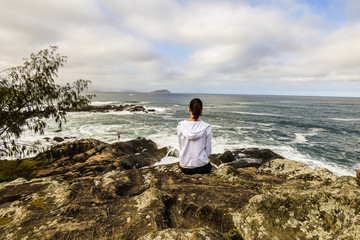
(265, 47)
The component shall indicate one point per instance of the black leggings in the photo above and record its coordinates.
(201, 170)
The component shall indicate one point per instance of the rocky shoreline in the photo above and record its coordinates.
(88, 189)
(107, 108)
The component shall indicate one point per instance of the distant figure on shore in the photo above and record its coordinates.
(118, 137)
(137, 166)
(358, 174)
(195, 141)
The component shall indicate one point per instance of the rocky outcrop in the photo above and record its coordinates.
(245, 157)
(281, 199)
(90, 157)
(309, 204)
(107, 108)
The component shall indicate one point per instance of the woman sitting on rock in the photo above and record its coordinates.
(195, 141)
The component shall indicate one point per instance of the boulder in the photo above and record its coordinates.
(58, 139)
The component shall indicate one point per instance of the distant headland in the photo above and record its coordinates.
(162, 91)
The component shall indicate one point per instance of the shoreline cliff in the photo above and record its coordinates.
(88, 189)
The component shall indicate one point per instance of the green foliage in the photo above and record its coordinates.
(29, 95)
(11, 170)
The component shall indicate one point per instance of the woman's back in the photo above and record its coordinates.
(195, 143)
(195, 138)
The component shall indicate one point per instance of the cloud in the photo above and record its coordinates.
(224, 45)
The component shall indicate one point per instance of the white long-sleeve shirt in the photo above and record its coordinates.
(195, 143)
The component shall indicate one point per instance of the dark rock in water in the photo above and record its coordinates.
(227, 157)
(58, 139)
(90, 191)
(241, 158)
(136, 109)
(107, 108)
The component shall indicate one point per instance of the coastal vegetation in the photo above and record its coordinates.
(24, 168)
(29, 95)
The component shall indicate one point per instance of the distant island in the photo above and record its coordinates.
(162, 91)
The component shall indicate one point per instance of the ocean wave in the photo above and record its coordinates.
(249, 103)
(346, 119)
(100, 103)
(300, 138)
(222, 107)
(265, 124)
(244, 127)
(258, 114)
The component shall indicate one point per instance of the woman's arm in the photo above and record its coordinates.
(208, 147)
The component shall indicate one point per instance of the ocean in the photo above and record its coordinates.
(318, 131)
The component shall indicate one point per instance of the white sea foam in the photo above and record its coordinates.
(315, 131)
(215, 126)
(249, 103)
(258, 114)
(300, 138)
(120, 113)
(100, 103)
(223, 107)
(346, 119)
(265, 124)
(166, 139)
(244, 127)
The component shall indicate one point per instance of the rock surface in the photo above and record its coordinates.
(90, 191)
(90, 157)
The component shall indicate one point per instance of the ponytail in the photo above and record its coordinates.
(196, 108)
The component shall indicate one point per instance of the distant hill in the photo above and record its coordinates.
(162, 91)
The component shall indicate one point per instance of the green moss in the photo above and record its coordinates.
(8, 178)
(43, 203)
(25, 168)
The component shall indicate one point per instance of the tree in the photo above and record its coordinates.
(29, 95)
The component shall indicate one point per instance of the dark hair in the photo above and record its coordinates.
(196, 106)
